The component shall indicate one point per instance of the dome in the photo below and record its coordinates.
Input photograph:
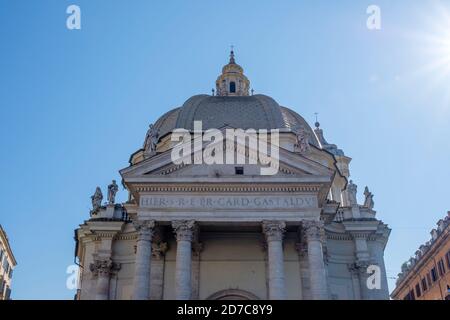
(243, 112)
(232, 106)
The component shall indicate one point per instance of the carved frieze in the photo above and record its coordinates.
(227, 202)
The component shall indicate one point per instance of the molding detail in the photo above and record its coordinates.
(226, 189)
(232, 294)
(129, 236)
(99, 235)
(339, 237)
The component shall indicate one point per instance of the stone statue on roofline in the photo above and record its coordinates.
(96, 199)
(151, 140)
(302, 139)
(112, 191)
(352, 189)
(368, 202)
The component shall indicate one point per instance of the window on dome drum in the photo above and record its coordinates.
(441, 267)
(239, 170)
(232, 87)
(418, 292)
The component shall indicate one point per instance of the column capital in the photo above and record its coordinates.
(273, 230)
(359, 266)
(183, 229)
(144, 228)
(103, 267)
(159, 250)
(313, 230)
(302, 248)
(197, 247)
(353, 268)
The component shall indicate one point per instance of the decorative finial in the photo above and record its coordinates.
(213, 92)
(232, 54)
(252, 91)
(317, 124)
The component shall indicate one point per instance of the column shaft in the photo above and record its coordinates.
(318, 278)
(141, 289)
(102, 269)
(102, 287)
(183, 269)
(363, 275)
(274, 237)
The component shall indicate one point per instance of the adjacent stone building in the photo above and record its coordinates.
(7, 264)
(426, 276)
(225, 231)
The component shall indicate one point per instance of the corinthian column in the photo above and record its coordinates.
(274, 230)
(102, 268)
(184, 231)
(141, 286)
(318, 278)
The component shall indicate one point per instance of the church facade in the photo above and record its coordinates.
(199, 229)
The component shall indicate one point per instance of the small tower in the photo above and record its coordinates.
(232, 81)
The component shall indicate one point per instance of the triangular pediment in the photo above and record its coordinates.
(291, 165)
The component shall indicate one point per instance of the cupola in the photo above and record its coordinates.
(232, 81)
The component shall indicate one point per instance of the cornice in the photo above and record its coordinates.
(217, 188)
(335, 236)
(127, 236)
(435, 246)
(5, 242)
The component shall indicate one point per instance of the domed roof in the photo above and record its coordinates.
(232, 106)
(242, 112)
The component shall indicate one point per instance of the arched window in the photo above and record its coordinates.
(232, 294)
(232, 87)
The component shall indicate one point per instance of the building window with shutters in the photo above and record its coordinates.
(441, 268)
(447, 256)
(434, 275)
(7, 293)
(2, 286)
(424, 285)
(429, 280)
(418, 292)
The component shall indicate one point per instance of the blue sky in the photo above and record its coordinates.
(75, 104)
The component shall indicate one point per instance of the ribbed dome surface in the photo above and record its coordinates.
(243, 112)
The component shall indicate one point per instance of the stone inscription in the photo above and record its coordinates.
(228, 202)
